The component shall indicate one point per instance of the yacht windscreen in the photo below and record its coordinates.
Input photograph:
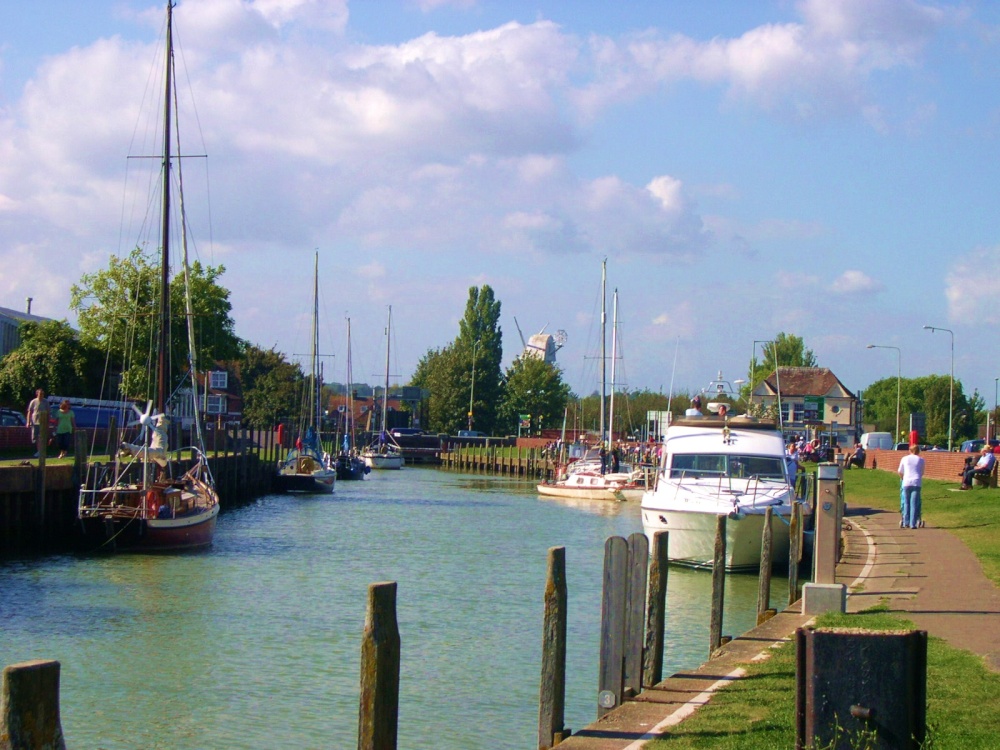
(724, 464)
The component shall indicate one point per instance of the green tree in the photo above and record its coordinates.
(271, 386)
(785, 349)
(447, 373)
(117, 309)
(533, 387)
(927, 395)
(50, 356)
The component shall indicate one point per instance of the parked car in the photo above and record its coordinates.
(974, 446)
(877, 440)
(12, 418)
(471, 433)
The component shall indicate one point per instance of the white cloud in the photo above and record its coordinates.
(855, 282)
(822, 64)
(969, 289)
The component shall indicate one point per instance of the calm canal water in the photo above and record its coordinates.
(256, 643)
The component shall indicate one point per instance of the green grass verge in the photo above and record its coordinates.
(973, 516)
(758, 712)
(963, 697)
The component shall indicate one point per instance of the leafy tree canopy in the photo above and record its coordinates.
(117, 309)
(928, 395)
(271, 386)
(50, 356)
(536, 388)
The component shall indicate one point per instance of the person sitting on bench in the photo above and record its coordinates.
(857, 458)
(982, 468)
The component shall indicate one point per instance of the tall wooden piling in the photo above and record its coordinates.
(656, 610)
(794, 552)
(635, 611)
(718, 585)
(552, 695)
(378, 715)
(764, 611)
(611, 662)
(29, 707)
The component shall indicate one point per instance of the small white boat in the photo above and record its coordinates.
(586, 485)
(384, 453)
(716, 466)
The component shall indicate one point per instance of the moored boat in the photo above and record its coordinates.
(716, 466)
(137, 503)
(384, 453)
(307, 467)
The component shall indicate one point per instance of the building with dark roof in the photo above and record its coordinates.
(812, 400)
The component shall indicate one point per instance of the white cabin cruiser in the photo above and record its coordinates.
(716, 466)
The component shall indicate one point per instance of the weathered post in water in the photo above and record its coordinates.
(29, 707)
(718, 585)
(764, 611)
(656, 610)
(794, 552)
(378, 715)
(635, 611)
(552, 696)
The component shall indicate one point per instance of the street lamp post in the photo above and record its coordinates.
(472, 387)
(996, 382)
(899, 373)
(951, 386)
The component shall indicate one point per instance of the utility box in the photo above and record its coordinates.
(828, 515)
(860, 689)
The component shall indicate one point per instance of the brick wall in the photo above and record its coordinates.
(937, 464)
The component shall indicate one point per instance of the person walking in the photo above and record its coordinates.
(38, 413)
(65, 427)
(911, 469)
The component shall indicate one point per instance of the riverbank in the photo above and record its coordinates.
(942, 578)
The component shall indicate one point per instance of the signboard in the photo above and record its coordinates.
(525, 420)
(814, 408)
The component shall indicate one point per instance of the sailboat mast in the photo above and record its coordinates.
(314, 353)
(161, 361)
(604, 363)
(614, 362)
(385, 393)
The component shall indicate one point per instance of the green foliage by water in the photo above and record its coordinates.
(928, 395)
(52, 357)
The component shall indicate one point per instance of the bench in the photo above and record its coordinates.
(986, 480)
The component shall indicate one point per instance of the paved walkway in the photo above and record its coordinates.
(926, 575)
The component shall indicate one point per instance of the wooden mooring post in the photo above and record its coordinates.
(378, 714)
(622, 620)
(29, 707)
(794, 552)
(552, 694)
(656, 610)
(764, 611)
(718, 586)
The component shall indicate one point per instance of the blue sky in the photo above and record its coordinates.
(825, 168)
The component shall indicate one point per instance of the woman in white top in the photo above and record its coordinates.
(911, 469)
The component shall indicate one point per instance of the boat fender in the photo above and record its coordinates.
(152, 502)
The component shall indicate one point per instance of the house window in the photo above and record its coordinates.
(219, 380)
(216, 404)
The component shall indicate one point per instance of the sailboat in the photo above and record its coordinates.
(384, 453)
(590, 478)
(307, 467)
(349, 465)
(136, 502)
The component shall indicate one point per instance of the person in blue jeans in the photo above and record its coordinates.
(911, 469)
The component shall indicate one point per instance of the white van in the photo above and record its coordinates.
(877, 441)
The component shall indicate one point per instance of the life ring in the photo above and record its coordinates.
(153, 501)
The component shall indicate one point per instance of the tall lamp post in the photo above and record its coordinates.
(899, 373)
(472, 387)
(996, 382)
(951, 386)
